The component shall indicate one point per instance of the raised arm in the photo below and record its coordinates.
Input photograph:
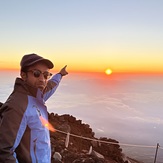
(54, 82)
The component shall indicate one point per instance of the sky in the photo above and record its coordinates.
(86, 35)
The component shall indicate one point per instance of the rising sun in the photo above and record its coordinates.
(108, 71)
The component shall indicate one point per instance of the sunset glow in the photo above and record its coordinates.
(108, 71)
(82, 39)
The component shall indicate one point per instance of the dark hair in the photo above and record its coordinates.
(25, 69)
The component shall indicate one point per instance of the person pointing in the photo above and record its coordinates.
(23, 137)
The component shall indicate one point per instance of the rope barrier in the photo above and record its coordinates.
(106, 142)
(160, 147)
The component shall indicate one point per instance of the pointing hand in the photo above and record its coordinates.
(63, 71)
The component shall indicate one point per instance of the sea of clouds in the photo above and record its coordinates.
(127, 108)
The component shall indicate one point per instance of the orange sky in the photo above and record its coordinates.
(86, 36)
(84, 63)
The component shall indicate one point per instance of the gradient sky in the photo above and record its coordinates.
(87, 35)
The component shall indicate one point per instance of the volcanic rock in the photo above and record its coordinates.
(75, 142)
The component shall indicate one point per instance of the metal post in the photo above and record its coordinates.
(156, 152)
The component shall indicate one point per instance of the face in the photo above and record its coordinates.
(37, 76)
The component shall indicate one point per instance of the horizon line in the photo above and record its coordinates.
(100, 72)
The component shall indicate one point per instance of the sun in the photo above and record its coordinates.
(108, 71)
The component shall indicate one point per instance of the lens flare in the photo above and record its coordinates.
(46, 124)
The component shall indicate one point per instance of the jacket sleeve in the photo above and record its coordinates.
(52, 86)
(11, 120)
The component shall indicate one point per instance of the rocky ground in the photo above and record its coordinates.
(81, 146)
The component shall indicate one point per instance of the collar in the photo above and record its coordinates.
(22, 86)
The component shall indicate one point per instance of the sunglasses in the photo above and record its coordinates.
(37, 73)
